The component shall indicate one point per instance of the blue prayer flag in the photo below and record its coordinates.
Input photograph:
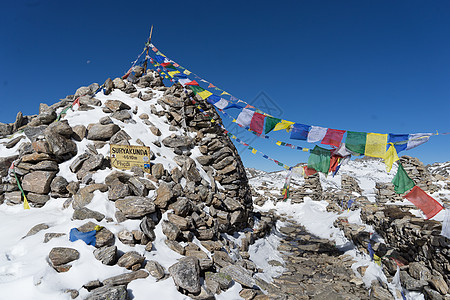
(300, 131)
(400, 141)
(87, 237)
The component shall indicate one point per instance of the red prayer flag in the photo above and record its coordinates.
(154, 49)
(334, 162)
(309, 171)
(165, 64)
(429, 206)
(193, 82)
(257, 122)
(211, 86)
(333, 137)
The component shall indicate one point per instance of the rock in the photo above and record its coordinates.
(107, 255)
(109, 86)
(36, 229)
(14, 142)
(419, 271)
(5, 130)
(240, 275)
(410, 283)
(121, 137)
(46, 114)
(5, 163)
(163, 195)
(119, 83)
(437, 281)
(79, 132)
(182, 207)
(122, 115)
(52, 235)
(103, 237)
(93, 284)
(186, 274)
(155, 269)
(155, 130)
(84, 213)
(59, 185)
(180, 222)
(82, 91)
(170, 230)
(60, 256)
(378, 292)
(63, 148)
(109, 293)
(126, 237)
(130, 259)
(125, 278)
(118, 190)
(38, 182)
(175, 141)
(158, 170)
(135, 207)
(33, 132)
(138, 188)
(62, 128)
(116, 105)
(38, 199)
(100, 132)
(47, 165)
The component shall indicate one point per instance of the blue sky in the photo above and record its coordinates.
(373, 66)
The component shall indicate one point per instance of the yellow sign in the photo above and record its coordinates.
(125, 157)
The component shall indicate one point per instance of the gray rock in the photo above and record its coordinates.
(60, 255)
(93, 284)
(36, 229)
(158, 170)
(410, 283)
(109, 293)
(47, 165)
(33, 132)
(13, 197)
(221, 280)
(176, 141)
(155, 269)
(126, 237)
(107, 255)
(63, 148)
(240, 275)
(18, 122)
(125, 278)
(78, 162)
(437, 281)
(129, 88)
(109, 86)
(170, 230)
(138, 188)
(82, 91)
(51, 235)
(84, 213)
(100, 132)
(130, 259)
(186, 274)
(182, 207)
(62, 128)
(46, 114)
(135, 207)
(147, 225)
(120, 137)
(79, 132)
(38, 182)
(122, 115)
(5, 163)
(14, 142)
(38, 199)
(59, 185)
(118, 190)
(119, 83)
(419, 271)
(5, 129)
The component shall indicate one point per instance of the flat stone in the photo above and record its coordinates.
(130, 259)
(38, 182)
(186, 274)
(60, 255)
(109, 293)
(125, 278)
(85, 213)
(51, 235)
(240, 275)
(135, 207)
(155, 269)
(100, 132)
(116, 105)
(107, 255)
(36, 229)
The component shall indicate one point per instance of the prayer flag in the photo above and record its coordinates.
(390, 157)
(193, 82)
(401, 181)
(333, 137)
(300, 131)
(196, 89)
(376, 145)
(238, 105)
(224, 93)
(446, 224)
(211, 85)
(245, 117)
(334, 162)
(319, 159)
(424, 202)
(308, 171)
(213, 99)
(400, 141)
(87, 237)
(316, 134)
(221, 104)
(257, 123)
(187, 72)
(254, 151)
(417, 139)
(283, 124)
(205, 94)
(172, 73)
(270, 124)
(343, 151)
(25, 203)
(356, 141)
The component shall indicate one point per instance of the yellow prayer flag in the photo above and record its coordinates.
(224, 93)
(187, 72)
(234, 120)
(305, 149)
(390, 157)
(212, 120)
(205, 94)
(25, 203)
(254, 151)
(278, 143)
(283, 124)
(172, 73)
(376, 145)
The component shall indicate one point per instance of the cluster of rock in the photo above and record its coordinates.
(419, 173)
(200, 208)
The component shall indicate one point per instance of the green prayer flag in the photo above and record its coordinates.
(270, 124)
(401, 181)
(196, 89)
(170, 67)
(356, 141)
(319, 159)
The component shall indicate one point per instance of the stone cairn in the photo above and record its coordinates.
(200, 209)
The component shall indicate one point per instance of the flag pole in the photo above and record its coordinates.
(148, 46)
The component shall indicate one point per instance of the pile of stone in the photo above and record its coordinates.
(199, 208)
(312, 188)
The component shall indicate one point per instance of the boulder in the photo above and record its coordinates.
(38, 182)
(155, 269)
(107, 255)
(60, 255)
(109, 293)
(130, 259)
(135, 207)
(100, 132)
(84, 213)
(125, 278)
(186, 274)
(116, 105)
